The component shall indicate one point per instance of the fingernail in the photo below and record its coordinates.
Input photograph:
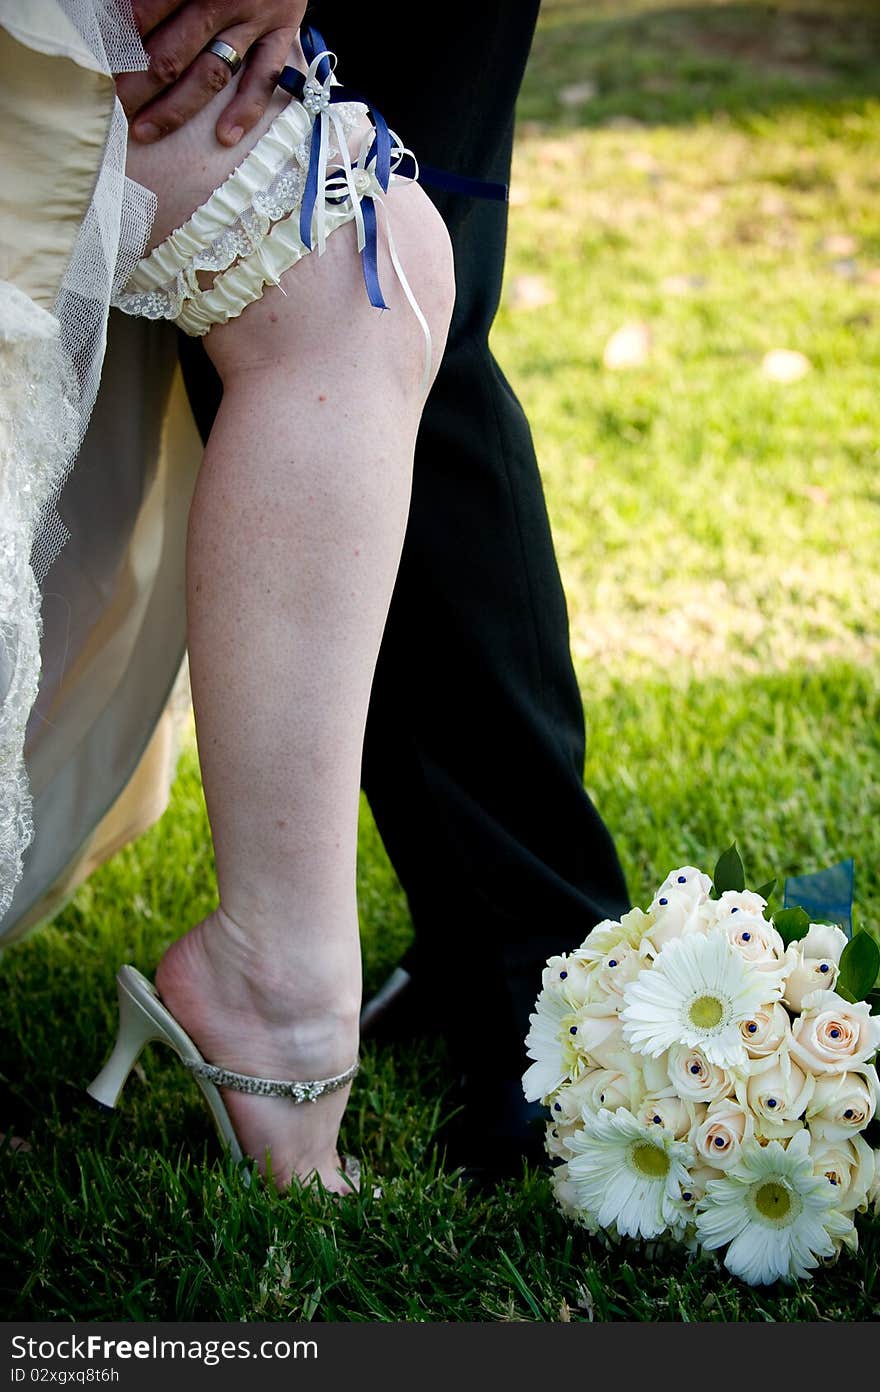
(232, 136)
(145, 131)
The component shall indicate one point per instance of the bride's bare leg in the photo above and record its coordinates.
(294, 539)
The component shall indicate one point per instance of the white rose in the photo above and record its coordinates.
(694, 1078)
(824, 940)
(611, 933)
(556, 1137)
(687, 880)
(699, 1176)
(849, 1165)
(718, 1138)
(599, 1037)
(609, 928)
(806, 976)
(766, 1030)
(832, 1036)
(843, 1103)
(670, 1112)
(655, 1073)
(674, 915)
(874, 1187)
(813, 963)
(550, 974)
(636, 922)
(568, 978)
(598, 1087)
(565, 1194)
(776, 1090)
(755, 939)
(736, 901)
(610, 974)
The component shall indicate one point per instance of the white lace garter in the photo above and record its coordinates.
(248, 231)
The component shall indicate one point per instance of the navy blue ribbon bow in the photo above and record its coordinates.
(318, 92)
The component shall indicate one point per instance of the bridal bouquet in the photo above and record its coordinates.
(710, 1076)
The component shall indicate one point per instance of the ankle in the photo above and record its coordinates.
(222, 984)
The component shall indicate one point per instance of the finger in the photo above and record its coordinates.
(201, 82)
(172, 48)
(256, 87)
(150, 13)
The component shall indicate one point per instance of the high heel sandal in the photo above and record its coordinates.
(143, 1017)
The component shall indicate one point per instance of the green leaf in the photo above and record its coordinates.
(730, 872)
(791, 924)
(859, 964)
(873, 999)
(766, 890)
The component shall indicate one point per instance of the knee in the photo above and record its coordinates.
(323, 321)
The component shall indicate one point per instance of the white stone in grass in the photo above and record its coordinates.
(642, 161)
(682, 284)
(623, 122)
(577, 93)
(530, 292)
(840, 245)
(785, 365)
(628, 347)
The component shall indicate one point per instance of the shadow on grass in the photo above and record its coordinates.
(666, 66)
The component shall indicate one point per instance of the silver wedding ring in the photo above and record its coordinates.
(225, 51)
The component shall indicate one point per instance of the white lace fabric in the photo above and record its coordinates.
(38, 427)
(50, 367)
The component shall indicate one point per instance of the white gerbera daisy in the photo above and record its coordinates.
(777, 1214)
(623, 1173)
(698, 992)
(549, 1042)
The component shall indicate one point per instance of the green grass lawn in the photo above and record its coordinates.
(710, 173)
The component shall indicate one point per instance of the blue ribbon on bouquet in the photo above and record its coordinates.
(826, 895)
(318, 90)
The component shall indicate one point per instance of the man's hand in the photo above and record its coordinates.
(182, 78)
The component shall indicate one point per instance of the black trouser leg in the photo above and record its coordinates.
(474, 753)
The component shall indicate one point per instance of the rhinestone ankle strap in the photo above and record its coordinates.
(270, 1087)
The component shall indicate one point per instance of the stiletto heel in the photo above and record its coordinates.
(143, 1018)
(136, 1028)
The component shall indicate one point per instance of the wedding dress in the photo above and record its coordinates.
(92, 620)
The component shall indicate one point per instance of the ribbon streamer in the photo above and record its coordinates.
(827, 895)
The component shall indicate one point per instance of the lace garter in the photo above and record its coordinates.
(251, 229)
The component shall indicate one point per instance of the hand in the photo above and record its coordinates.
(182, 78)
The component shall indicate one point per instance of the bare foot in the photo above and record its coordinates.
(269, 1019)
